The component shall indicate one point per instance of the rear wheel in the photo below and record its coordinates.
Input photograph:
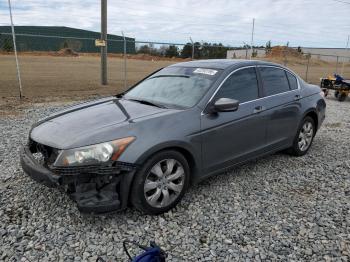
(161, 183)
(303, 139)
(325, 91)
(342, 96)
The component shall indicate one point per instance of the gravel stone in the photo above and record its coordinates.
(228, 241)
(271, 209)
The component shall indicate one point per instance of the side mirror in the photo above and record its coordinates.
(225, 105)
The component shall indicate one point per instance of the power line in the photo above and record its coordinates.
(282, 29)
(278, 27)
(205, 14)
(202, 14)
(260, 24)
(242, 32)
(340, 1)
(227, 28)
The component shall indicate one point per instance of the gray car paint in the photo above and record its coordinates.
(214, 142)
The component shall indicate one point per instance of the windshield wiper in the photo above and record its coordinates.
(120, 95)
(185, 76)
(146, 102)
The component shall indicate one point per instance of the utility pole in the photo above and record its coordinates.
(15, 49)
(192, 48)
(252, 42)
(346, 49)
(104, 39)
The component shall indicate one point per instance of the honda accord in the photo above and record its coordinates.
(179, 125)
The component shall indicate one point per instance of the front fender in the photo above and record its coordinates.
(174, 144)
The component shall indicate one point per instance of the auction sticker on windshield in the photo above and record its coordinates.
(205, 71)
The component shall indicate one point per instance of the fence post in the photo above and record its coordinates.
(307, 68)
(347, 47)
(125, 84)
(336, 66)
(192, 48)
(15, 50)
(285, 57)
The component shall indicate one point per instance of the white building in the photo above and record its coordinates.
(326, 54)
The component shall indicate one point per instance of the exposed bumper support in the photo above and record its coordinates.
(36, 171)
(95, 189)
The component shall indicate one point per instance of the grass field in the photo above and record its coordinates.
(44, 76)
(49, 76)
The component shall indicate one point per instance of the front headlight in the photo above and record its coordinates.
(94, 154)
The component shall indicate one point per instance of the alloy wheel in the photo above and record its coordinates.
(164, 183)
(305, 136)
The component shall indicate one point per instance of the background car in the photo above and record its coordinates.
(176, 127)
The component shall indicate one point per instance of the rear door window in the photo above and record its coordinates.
(241, 85)
(274, 80)
(293, 82)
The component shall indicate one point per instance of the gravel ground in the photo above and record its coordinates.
(275, 208)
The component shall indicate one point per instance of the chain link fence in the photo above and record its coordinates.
(69, 66)
(310, 66)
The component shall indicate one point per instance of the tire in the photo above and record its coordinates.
(158, 185)
(341, 97)
(325, 91)
(307, 136)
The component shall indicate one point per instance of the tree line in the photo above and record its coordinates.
(201, 50)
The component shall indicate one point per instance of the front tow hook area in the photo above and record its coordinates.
(91, 199)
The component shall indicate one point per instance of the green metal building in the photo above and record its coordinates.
(54, 38)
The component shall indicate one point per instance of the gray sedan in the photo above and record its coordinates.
(176, 127)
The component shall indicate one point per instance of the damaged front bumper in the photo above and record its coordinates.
(96, 189)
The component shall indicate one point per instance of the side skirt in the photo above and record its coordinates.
(221, 170)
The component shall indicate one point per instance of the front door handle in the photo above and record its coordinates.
(297, 97)
(258, 109)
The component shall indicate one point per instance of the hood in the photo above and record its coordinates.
(80, 125)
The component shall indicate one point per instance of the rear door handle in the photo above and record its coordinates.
(258, 109)
(297, 97)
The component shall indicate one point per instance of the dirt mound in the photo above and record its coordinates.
(67, 52)
(281, 51)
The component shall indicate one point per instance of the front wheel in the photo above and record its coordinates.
(303, 139)
(161, 183)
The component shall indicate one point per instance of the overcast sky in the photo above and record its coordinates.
(311, 23)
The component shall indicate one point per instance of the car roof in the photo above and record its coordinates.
(222, 63)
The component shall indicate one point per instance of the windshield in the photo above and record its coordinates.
(181, 87)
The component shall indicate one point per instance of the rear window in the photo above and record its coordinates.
(274, 80)
(293, 82)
